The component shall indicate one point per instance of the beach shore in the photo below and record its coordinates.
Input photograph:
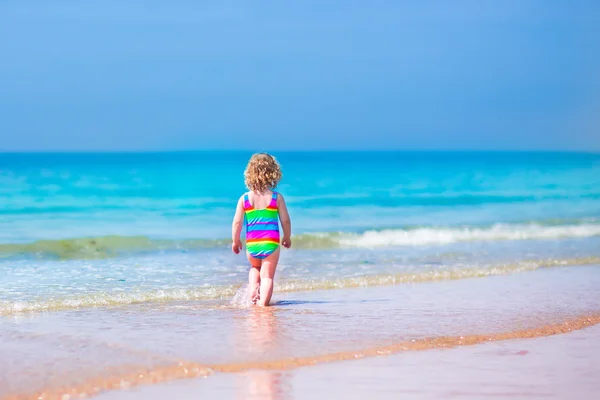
(556, 367)
(506, 335)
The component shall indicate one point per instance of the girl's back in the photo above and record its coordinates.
(260, 201)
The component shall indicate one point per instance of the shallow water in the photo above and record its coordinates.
(43, 285)
(84, 230)
(74, 348)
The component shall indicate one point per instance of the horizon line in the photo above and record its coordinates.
(216, 150)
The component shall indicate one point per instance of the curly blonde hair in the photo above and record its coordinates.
(262, 172)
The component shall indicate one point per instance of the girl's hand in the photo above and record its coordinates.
(286, 242)
(236, 246)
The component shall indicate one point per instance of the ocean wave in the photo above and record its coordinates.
(424, 236)
(498, 232)
(102, 247)
(104, 299)
(111, 246)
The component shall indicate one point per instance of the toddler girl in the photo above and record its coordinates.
(260, 210)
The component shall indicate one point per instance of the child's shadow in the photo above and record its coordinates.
(299, 302)
(284, 303)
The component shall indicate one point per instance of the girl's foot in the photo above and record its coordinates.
(256, 296)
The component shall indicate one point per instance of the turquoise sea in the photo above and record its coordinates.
(94, 229)
(116, 272)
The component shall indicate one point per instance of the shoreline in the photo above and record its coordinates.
(96, 351)
(553, 367)
(191, 370)
(219, 292)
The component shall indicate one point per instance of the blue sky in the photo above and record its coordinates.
(151, 75)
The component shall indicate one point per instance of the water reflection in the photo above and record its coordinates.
(262, 329)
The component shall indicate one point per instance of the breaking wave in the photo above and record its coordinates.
(111, 246)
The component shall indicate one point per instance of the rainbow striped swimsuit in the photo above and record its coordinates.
(262, 228)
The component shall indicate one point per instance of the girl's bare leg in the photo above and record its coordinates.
(253, 278)
(267, 273)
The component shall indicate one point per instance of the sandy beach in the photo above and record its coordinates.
(558, 367)
(509, 335)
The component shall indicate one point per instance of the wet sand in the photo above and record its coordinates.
(308, 337)
(556, 367)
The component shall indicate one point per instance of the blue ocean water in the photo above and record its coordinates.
(128, 227)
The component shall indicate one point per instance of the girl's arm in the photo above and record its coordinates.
(236, 227)
(286, 223)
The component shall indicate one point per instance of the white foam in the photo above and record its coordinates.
(241, 298)
(498, 232)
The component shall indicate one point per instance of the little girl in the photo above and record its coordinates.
(261, 208)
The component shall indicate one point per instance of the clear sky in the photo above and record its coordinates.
(188, 74)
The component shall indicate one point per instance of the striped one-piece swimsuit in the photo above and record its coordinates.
(262, 228)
